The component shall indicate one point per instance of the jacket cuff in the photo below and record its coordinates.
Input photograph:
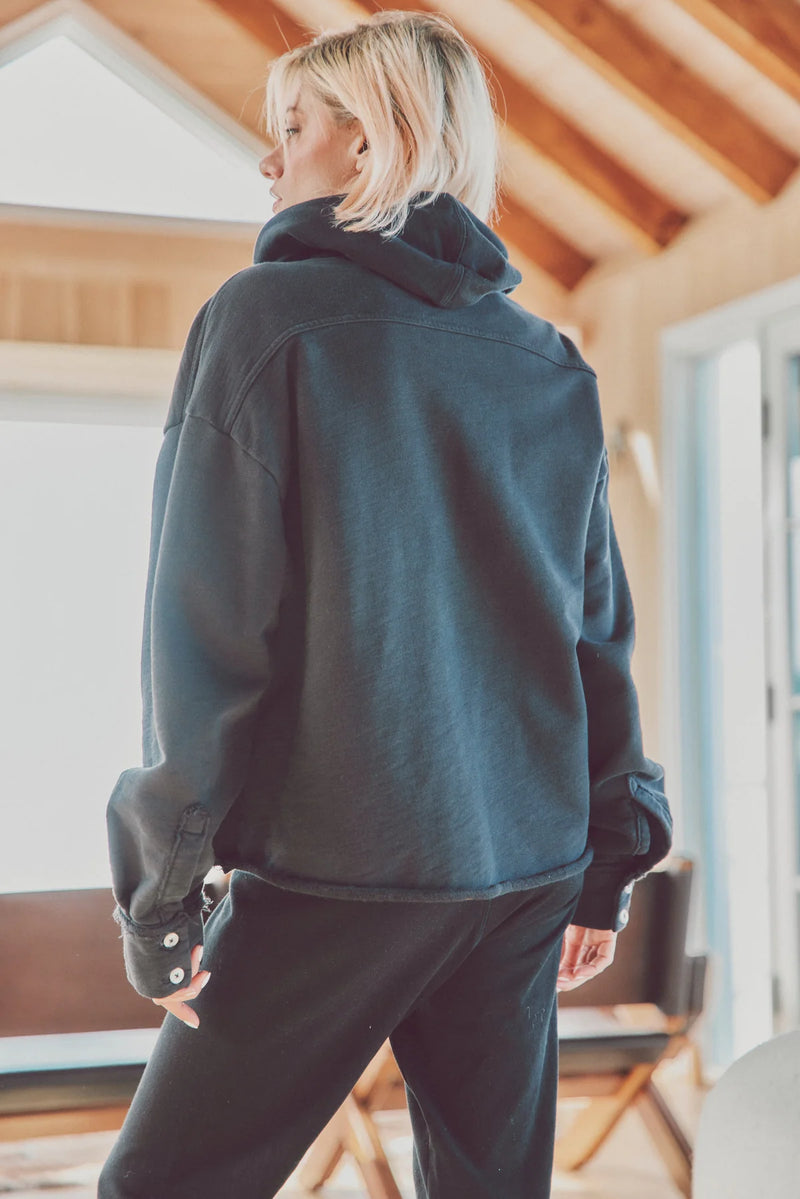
(606, 898)
(158, 958)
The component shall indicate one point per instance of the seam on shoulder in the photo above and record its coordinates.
(198, 345)
(236, 442)
(325, 322)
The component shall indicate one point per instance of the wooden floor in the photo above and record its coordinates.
(626, 1167)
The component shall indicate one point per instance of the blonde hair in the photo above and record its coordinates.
(420, 92)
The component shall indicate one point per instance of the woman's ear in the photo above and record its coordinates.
(358, 144)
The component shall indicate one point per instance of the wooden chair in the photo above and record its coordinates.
(71, 1056)
(617, 1029)
(353, 1130)
(614, 1032)
(74, 1035)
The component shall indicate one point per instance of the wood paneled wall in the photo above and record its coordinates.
(111, 285)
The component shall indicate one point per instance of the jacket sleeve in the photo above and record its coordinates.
(630, 824)
(217, 560)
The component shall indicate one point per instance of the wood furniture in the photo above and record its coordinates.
(616, 1029)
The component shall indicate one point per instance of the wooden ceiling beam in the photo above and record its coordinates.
(275, 27)
(647, 217)
(541, 243)
(680, 100)
(766, 33)
(635, 205)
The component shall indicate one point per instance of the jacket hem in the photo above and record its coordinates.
(312, 886)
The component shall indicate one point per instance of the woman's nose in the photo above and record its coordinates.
(269, 166)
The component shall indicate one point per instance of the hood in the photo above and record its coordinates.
(444, 253)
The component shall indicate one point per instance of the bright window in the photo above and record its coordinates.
(74, 535)
(84, 138)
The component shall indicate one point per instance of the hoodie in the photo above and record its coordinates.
(387, 629)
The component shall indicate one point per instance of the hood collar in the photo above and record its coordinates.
(444, 253)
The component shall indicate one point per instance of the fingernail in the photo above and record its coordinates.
(205, 980)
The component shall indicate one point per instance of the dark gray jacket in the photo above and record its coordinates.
(387, 630)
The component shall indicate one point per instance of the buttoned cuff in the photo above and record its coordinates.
(606, 898)
(158, 959)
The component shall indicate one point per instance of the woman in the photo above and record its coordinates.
(386, 664)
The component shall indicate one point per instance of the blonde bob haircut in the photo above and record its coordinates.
(419, 90)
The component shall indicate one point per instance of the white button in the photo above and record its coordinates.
(176, 975)
(623, 916)
(170, 940)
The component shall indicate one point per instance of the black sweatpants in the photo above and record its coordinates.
(303, 992)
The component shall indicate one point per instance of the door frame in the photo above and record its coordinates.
(759, 317)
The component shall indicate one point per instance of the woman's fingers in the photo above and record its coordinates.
(195, 986)
(177, 1001)
(570, 951)
(184, 1013)
(585, 953)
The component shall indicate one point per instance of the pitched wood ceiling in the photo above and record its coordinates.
(622, 119)
(660, 63)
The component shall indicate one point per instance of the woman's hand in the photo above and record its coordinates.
(176, 1002)
(585, 953)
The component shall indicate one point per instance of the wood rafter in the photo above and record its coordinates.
(275, 27)
(644, 214)
(682, 101)
(542, 244)
(766, 33)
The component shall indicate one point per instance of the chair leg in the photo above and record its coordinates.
(699, 1079)
(353, 1130)
(325, 1154)
(668, 1135)
(365, 1145)
(591, 1126)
